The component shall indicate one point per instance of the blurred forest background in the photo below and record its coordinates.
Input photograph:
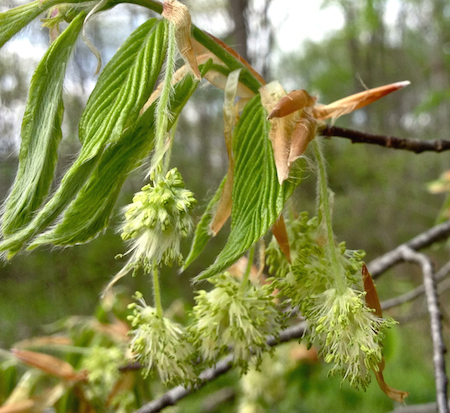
(331, 48)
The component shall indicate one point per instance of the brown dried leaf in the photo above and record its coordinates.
(230, 115)
(304, 132)
(357, 101)
(22, 406)
(372, 299)
(391, 392)
(281, 128)
(178, 14)
(292, 102)
(373, 302)
(44, 341)
(49, 364)
(280, 233)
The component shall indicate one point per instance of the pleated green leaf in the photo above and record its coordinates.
(124, 85)
(12, 21)
(112, 107)
(258, 198)
(90, 212)
(41, 132)
(202, 231)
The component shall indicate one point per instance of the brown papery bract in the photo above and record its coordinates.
(281, 235)
(373, 302)
(292, 102)
(178, 14)
(304, 132)
(353, 102)
(49, 364)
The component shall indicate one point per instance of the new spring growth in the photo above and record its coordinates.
(157, 220)
(231, 317)
(348, 333)
(102, 365)
(160, 344)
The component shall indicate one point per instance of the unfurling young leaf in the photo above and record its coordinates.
(41, 132)
(16, 19)
(122, 89)
(230, 115)
(258, 198)
(203, 232)
(90, 212)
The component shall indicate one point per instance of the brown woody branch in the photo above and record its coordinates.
(381, 264)
(439, 349)
(407, 144)
(177, 393)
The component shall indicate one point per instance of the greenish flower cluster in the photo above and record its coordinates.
(232, 317)
(331, 299)
(159, 343)
(102, 365)
(157, 220)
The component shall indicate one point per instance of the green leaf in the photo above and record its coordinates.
(202, 231)
(258, 198)
(122, 89)
(124, 86)
(41, 132)
(90, 212)
(14, 20)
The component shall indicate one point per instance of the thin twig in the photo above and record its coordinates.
(439, 350)
(177, 393)
(418, 291)
(391, 258)
(407, 144)
(417, 408)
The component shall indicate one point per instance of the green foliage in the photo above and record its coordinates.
(41, 132)
(202, 232)
(240, 313)
(14, 20)
(257, 202)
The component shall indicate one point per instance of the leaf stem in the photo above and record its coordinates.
(324, 205)
(162, 110)
(157, 291)
(246, 275)
(247, 78)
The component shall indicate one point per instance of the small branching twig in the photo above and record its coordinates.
(418, 291)
(417, 408)
(406, 144)
(439, 350)
(381, 264)
(223, 366)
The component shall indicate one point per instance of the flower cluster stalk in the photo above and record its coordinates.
(163, 109)
(324, 206)
(157, 291)
(246, 275)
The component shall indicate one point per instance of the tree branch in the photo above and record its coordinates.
(418, 291)
(436, 326)
(381, 264)
(407, 144)
(417, 408)
(376, 268)
(177, 393)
